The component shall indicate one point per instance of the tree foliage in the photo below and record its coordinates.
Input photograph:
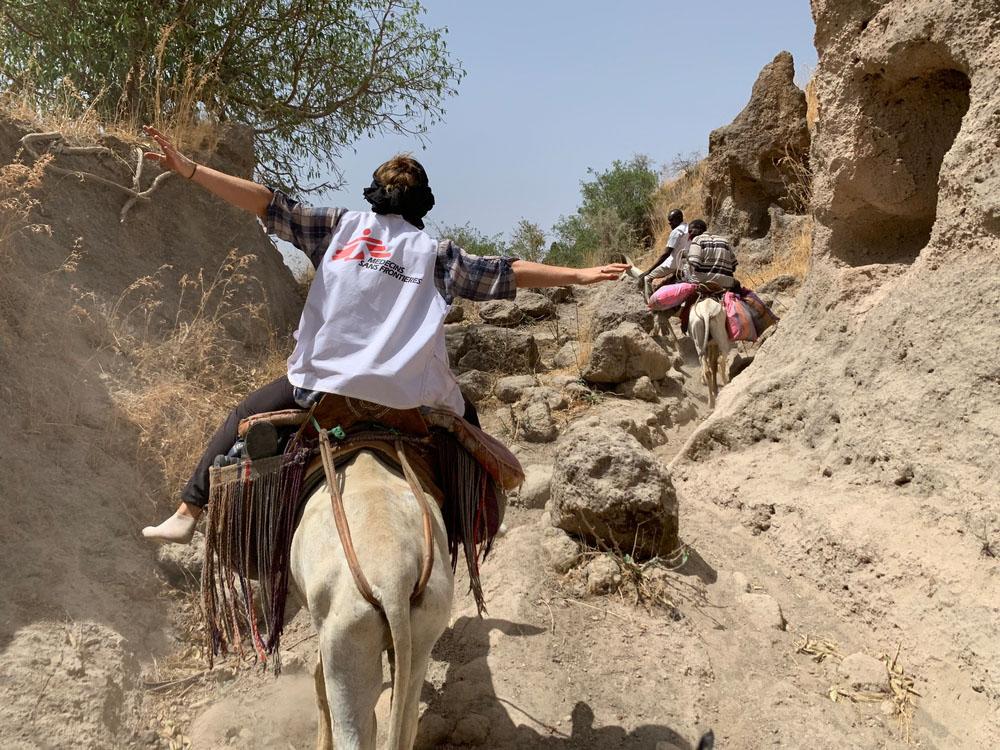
(472, 240)
(614, 217)
(527, 241)
(310, 77)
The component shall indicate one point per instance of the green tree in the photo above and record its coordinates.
(472, 240)
(527, 241)
(309, 77)
(614, 217)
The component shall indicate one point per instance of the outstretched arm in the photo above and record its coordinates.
(656, 263)
(234, 190)
(533, 275)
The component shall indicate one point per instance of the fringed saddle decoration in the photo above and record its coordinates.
(254, 508)
(252, 513)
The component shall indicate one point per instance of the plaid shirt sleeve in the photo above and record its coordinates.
(475, 277)
(309, 228)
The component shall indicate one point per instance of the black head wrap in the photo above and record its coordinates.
(412, 203)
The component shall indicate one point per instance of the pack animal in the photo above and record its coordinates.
(708, 330)
(386, 525)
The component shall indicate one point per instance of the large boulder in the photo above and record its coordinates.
(619, 302)
(491, 349)
(759, 159)
(608, 488)
(626, 353)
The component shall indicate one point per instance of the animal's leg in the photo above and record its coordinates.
(353, 675)
(713, 364)
(324, 732)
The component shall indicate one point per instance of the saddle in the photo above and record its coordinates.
(348, 414)
(255, 504)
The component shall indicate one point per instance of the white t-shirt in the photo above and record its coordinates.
(373, 323)
(678, 241)
(677, 245)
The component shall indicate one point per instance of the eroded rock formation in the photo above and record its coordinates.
(754, 162)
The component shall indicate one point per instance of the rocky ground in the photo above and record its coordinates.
(582, 646)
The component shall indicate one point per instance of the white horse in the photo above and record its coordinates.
(707, 327)
(386, 525)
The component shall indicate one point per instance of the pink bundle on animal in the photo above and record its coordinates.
(669, 296)
(739, 323)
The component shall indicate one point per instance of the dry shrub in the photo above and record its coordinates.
(76, 117)
(17, 185)
(794, 260)
(187, 371)
(687, 192)
(812, 105)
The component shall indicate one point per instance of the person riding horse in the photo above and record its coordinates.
(373, 323)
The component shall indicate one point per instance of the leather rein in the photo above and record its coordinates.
(328, 453)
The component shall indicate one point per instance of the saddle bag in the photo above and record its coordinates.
(763, 316)
(739, 322)
(670, 296)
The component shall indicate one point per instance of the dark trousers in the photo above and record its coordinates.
(274, 396)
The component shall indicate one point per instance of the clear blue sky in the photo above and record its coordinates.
(554, 87)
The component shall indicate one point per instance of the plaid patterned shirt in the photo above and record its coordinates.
(710, 260)
(456, 273)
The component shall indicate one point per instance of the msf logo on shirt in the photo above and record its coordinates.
(362, 248)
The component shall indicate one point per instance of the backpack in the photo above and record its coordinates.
(670, 296)
(739, 322)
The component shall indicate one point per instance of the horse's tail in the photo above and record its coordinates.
(397, 614)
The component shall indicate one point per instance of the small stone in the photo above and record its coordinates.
(864, 672)
(641, 388)
(181, 563)
(535, 423)
(577, 391)
(603, 576)
(827, 471)
(567, 356)
(455, 314)
(537, 488)
(562, 551)
(472, 730)
(556, 399)
(475, 384)
(501, 312)
(905, 475)
(761, 612)
(535, 305)
(510, 389)
(559, 294)
(432, 731)
(293, 663)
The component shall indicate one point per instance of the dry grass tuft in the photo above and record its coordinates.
(17, 185)
(795, 259)
(76, 117)
(900, 691)
(812, 105)
(185, 372)
(687, 192)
